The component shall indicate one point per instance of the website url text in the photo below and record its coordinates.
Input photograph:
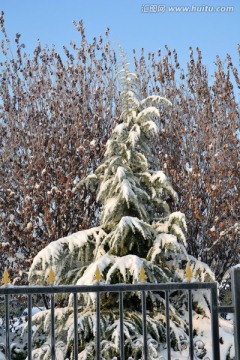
(161, 8)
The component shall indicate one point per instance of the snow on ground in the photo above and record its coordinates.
(204, 337)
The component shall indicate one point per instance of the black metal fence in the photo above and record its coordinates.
(29, 291)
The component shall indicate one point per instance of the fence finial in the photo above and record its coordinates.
(6, 279)
(51, 277)
(188, 273)
(97, 275)
(142, 276)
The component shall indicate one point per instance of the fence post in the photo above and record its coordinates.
(98, 278)
(215, 322)
(7, 319)
(98, 339)
(235, 278)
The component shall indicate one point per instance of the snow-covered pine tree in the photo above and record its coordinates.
(133, 193)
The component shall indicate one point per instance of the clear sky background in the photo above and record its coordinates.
(51, 22)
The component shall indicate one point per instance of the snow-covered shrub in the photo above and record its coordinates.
(137, 229)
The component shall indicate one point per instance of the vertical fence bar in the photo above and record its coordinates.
(7, 318)
(236, 303)
(144, 321)
(75, 315)
(29, 327)
(98, 344)
(167, 314)
(53, 353)
(121, 325)
(190, 314)
(215, 323)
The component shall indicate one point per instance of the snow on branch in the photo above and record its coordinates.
(154, 100)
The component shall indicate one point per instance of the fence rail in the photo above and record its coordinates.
(120, 289)
(56, 289)
(6, 292)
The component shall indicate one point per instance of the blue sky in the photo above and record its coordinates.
(51, 22)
